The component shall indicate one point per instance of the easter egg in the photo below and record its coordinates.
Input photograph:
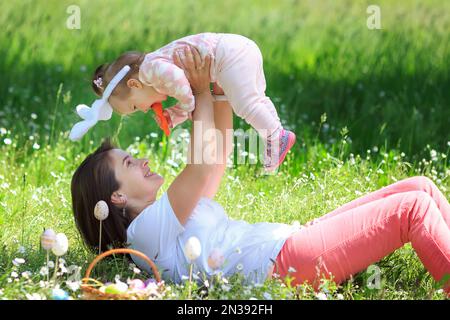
(48, 239)
(101, 210)
(61, 244)
(192, 248)
(116, 288)
(59, 294)
(112, 289)
(215, 259)
(136, 284)
(121, 286)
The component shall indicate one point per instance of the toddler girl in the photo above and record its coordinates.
(236, 67)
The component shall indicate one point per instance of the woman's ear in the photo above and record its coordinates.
(119, 199)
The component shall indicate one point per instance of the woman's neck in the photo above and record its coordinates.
(137, 207)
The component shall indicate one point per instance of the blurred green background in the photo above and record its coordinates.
(390, 87)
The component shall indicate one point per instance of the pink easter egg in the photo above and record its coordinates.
(48, 239)
(136, 284)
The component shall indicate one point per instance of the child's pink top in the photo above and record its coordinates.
(159, 70)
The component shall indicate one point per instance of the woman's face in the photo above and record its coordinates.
(137, 182)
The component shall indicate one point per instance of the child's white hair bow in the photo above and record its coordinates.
(100, 110)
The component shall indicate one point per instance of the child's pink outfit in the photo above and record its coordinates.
(237, 67)
(362, 232)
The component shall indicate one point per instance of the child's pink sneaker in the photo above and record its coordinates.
(286, 141)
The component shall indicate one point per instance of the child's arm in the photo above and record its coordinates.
(169, 79)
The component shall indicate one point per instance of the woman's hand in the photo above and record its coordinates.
(196, 69)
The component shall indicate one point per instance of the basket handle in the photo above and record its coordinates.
(123, 250)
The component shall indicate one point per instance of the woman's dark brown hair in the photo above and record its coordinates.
(94, 180)
(107, 71)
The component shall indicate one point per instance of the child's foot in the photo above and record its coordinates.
(286, 141)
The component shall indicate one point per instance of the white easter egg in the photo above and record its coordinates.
(101, 210)
(61, 244)
(193, 248)
(48, 239)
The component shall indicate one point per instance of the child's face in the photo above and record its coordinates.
(141, 98)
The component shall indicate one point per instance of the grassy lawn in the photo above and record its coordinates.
(384, 92)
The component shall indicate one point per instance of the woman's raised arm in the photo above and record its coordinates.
(189, 185)
(223, 119)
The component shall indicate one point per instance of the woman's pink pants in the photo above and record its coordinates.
(363, 231)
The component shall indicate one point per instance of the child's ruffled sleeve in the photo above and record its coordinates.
(167, 79)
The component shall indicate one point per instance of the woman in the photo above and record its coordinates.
(339, 244)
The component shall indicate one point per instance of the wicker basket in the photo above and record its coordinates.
(90, 286)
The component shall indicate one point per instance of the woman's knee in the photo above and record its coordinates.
(419, 202)
(423, 183)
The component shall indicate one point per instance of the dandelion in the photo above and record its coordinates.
(226, 287)
(73, 285)
(321, 296)
(34, 296)
(433, 155)
(43, 271)
(267, 296)
(18, 261)
(172, 163)
(192, 248)
(136, 270)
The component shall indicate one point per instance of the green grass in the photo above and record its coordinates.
(389, 88)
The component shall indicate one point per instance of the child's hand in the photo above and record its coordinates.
(195, 68)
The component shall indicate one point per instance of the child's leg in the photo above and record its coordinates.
(419, 183)
(244, 85)
(349, 242)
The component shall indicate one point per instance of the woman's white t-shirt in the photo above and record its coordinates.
(245, 247)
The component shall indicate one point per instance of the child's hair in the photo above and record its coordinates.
(107, 71)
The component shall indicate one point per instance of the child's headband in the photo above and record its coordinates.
(100, 110)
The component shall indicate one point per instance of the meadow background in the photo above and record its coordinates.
(369, 107)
